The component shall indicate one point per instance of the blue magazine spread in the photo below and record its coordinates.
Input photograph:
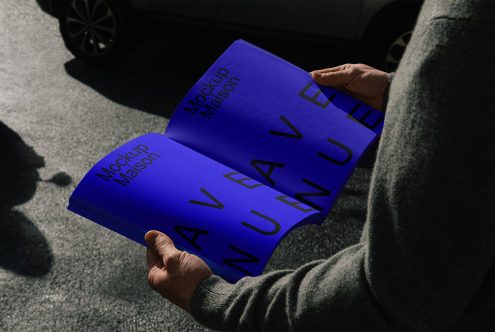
(254, 149)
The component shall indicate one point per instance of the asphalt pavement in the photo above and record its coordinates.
(58, 117)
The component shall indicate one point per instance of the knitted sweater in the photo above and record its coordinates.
(425, 261)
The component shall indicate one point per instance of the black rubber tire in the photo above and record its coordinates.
(378, 49)
(118, 45)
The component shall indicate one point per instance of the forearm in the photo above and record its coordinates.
(318, 295)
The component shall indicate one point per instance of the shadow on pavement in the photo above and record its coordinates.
(155, 76)
(160, 71)
(23, 248)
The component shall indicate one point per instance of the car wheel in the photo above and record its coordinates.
(390, 44)
(94, 31)
(396, 50)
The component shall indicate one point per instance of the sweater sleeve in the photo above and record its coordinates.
(317, 295)
(427, 250)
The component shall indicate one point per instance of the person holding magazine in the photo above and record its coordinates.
(425, 261)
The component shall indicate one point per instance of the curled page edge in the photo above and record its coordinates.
(136, 234)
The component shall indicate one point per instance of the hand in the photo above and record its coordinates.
(173, 273)
(363, 82)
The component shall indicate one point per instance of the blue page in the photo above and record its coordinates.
(266, 118)
(231, 221)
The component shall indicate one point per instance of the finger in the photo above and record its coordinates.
(154, 262)
(156, 272)
(333, 78)
(329, 70)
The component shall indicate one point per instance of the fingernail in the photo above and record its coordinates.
(150, 237)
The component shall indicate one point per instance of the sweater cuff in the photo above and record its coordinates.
(387, 90)
(208, 299)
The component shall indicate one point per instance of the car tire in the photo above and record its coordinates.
(95, 31)
(389, 45)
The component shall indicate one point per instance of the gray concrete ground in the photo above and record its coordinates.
(59, 271)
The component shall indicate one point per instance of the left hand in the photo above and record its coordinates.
(173, 273)
(361, 81)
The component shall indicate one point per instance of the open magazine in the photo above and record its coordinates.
(254, 149)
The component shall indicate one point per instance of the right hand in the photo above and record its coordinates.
(363, 82)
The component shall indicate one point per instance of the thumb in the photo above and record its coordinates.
(162, 246)
(335, 78)
(150, 237)
(159, 243)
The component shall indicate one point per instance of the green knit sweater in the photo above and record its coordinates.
(425, 261)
